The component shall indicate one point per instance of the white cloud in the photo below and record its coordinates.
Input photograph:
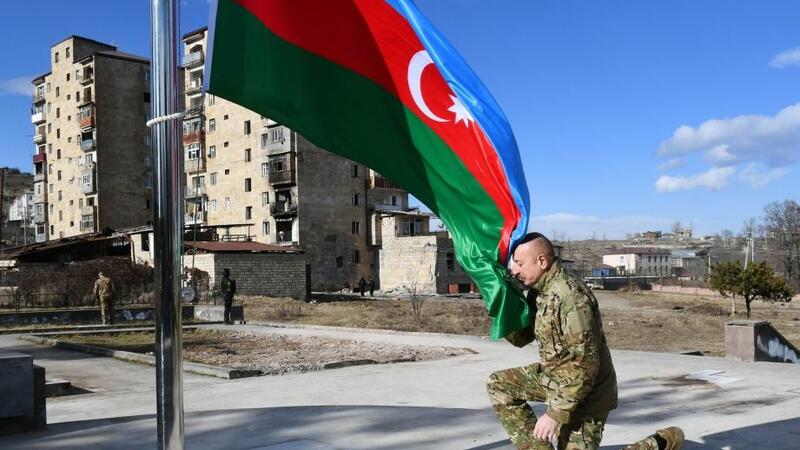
(17, 86)
(758, 176)
(785, 58)
(575, 226)
(714, 179)
(720, 155)
(674, 163)
(774, 140)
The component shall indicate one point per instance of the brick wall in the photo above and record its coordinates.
(268, 274)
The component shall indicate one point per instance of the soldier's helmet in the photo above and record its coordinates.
(226, 272)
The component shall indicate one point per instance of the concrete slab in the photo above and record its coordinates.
(424, 405)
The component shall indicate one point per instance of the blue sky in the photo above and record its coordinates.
(629, 115)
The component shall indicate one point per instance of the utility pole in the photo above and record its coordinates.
(2, 185)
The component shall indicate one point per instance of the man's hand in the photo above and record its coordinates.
(545, 428)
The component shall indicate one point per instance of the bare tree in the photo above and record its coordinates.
(782, 223)
(677, 227)
(727, 235)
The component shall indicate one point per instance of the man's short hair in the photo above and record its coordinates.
(532, 236)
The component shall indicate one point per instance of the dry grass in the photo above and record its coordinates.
(457, 316)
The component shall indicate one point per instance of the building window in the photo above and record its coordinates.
(212, 151)
(451, 261)
(66, 52)
(147, 203)
(227, 171)
(212, 179)
(59, 179)
(339, 262)
(248, 213)
(247, 155)
(58, 133)
(58, 154)
(59, 192)
(355, 171)
(213, 205)
(225, 144)
(56, 61)
(264, 170)
(58, 113)
(248, 185)
(356, 227)
(356, 257)
(193, 151)
(227, 203)
(77, 96)
(58, 91)
(211, 99)
(264, 198)
(212, 125)
(145, 242)
(68, 74)
(225, 117)
(246, 127)
(355, 199)
(264, 140)
(265, 227)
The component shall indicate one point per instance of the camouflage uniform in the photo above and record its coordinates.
(104, 293)
(575, 378)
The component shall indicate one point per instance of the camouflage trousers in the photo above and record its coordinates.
(511, 389)
(106, 310)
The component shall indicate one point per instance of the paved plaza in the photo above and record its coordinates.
(420, 405)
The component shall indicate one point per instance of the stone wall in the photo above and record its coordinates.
(267, 274)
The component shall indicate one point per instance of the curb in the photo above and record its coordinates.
(202, 369)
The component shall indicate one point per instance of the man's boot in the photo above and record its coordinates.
(673, 436)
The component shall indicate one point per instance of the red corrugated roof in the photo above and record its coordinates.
(240, 247)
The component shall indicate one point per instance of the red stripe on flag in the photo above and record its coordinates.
(372, 39)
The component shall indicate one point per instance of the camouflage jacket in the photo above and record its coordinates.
(103, 288)
(575, 362)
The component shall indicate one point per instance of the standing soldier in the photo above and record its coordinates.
(104, 294)
(228, 288)
(362, 285)
(576, 378)
(371, 286)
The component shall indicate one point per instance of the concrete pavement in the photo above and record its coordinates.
(422, 405)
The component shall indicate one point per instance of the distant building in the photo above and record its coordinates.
(20, 217)
(92, 161)
(652, 235)
(604, 271)
(650, 261)
(413, 258)
(690, 263)
(683, 234)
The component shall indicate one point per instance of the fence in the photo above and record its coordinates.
(68, 292)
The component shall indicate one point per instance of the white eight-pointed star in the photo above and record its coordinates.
(461, 112)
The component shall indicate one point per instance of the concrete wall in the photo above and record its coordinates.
(267, 274)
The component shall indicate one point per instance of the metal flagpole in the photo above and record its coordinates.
(167, 220)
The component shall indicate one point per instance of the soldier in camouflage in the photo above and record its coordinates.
(104, 294)
(575, 377)
(228, 287)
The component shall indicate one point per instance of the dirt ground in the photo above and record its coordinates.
(634, 321)
(272, 354)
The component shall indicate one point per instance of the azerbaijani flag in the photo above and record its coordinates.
(375, 82)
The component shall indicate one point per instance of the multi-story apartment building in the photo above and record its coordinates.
(91, 167)
(242, 168)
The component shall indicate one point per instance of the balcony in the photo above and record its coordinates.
(194, 165)
(196, 218)
(194, 192)
(38, 97)
(193, 86)
(278, 140)
(88, 218)
(39, 158)
(87, 179)
(194, 111)
(194, 137)
(39, 215)
(39, 177)
(87, 77)
(283, 209)
(281, 178)
(378, 182)
(193, 59)
(39, 137)
(86, 117)
(38, 116)
(88, 145)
